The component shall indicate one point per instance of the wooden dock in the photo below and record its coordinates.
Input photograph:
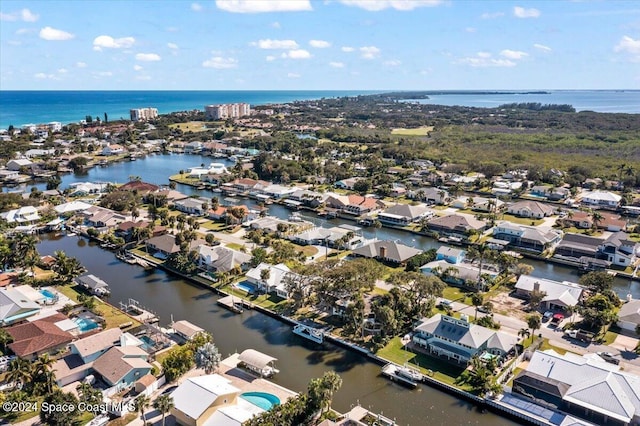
(405, 375)
(234, 304)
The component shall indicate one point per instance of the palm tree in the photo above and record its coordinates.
(20, 372)
(524, 333)
(43, 372)
(5, 339)
(67, 268)
(534, 322)
(164, 404)
(208, 357)
(141, 403)
(597, 219)
(477, 300)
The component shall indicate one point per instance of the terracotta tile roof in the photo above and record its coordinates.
(139, 186)
(36, 336)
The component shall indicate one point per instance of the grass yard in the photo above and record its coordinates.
(185, 179)
(235, 246)
(213, 226)
(521, 220)
(443, 371)
(456, 294)
(308, 251)
(419, 131)
(547, 345)
(191, 126)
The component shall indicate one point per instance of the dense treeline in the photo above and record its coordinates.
(537, 106)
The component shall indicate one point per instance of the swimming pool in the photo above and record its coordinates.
(147, 343)
(48, 294)
(261, 399)
(249, 288)
(86, 324)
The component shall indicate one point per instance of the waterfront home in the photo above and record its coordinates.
(221, 259)
(164, 245)
(602, 199)
(455, 225)
(429, 195)
(530, 209)
(17, 165)
(531, 238)
(125, 229)
(458, 341)
(186, 329)
(193, 147)
(619, 250)
(46, 335)
(450, 254)
(343, 236)
(8, 175)
(387, 251)
(270, 224)
(102, 218)
(353, 204)
(308, 198)
(629, 315)
(171, 195)
(210, 400)
(558, 296)
(273, 281)
(576, 246)
(33, 153)
(404, 214)
(122, 366)
(460, 274)
(140, 187)
(71, 207)
(551, 193)
(15, 305)
(222, 214)
(584, 386)
(24, 215)
(275, 191)
(82, 353)
(94, 284)
(82, 189)
(215, 169)
(193, 206)
(113, 149)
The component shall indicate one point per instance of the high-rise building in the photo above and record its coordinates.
(224, 111)
(143, 114)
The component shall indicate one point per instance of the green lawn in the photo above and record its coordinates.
(235, 246)
(547, 345)
(419, 131)
(213, 226)
(443, 371)
(521, 220)
(191, 126)
(455, 294)
(308, 251)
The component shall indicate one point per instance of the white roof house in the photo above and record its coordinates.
(558, 295)
(601, 198)
(275, 282)
(196, 395)
(26, 214)
(629, 315)
(15, 305)
(71, 207)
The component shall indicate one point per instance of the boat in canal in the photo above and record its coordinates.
(405, 375)
(309, 333)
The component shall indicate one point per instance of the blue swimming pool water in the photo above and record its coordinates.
(261, 399)
(46, 293)
(147, 343)
(249, 288)
(86, 324)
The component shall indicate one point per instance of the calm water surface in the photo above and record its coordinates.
(299, 361)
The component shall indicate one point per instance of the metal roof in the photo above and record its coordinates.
(256, 359)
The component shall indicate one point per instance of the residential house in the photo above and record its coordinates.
(558, 296)
(450, 254)
(576, 246)
(404, 214)
(164, 245)
(193, 147)
(359, 205)
(82, 189)
(71, 207)
(100, 217)
(308, 198)
(32, 339)
(532, 209)
(121, 366)
(24, 215)
(480, 204)
(142, 188)
(602, 199)
(429, 195)
(8, 175)
(275, 282)
(113, 149)
(387, 251)
(551, 193)
(33, 153)
(458, 274)
(221, 259)
(332, 237)
(584, 386)
(93, 284)
(458, 340)
(15, 306)
(619, 250)
(17, 165)
(194, 206)
(347, 183)
(455, 225)
(186, 330)
(277, 192)
(210, 400)
(579, 219)
(531, 238)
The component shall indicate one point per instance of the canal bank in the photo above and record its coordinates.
(299, 360)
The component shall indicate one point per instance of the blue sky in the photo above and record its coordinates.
(301, 44)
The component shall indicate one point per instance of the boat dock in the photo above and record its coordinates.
(136, 311)
(405, 375)
(234, 304)
(310, 333)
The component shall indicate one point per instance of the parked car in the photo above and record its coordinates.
(580, 335)
(547, 316)
(609, 357)
(445, 303)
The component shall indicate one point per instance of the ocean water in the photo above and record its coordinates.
(22, 107)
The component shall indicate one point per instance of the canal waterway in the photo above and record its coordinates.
(157, 169)
(298, 360)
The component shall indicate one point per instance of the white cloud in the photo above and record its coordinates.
(483, 54)
(275, 25)
(513, 54)
(270, 58)
(52, 34)
(491, 15)
(172, 46)
(377, 5)
(108, 42)
(369, 52)
(297, 54)
(470, 30)
(196, 7)
(319, 44)
(275, 44)
(293, 75)
(392, 63)
(23, 31)
(347, 49)
(630, 46)
(43, 76)
(28, 16)
(62, 71)
(148, 57)
(484, 60)
(137, 67)
(336, 64)
(23, 15)
(542, 47)
(263, 6)
(81, 64)
(220, 63)
(521, 12)
(102, 74)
